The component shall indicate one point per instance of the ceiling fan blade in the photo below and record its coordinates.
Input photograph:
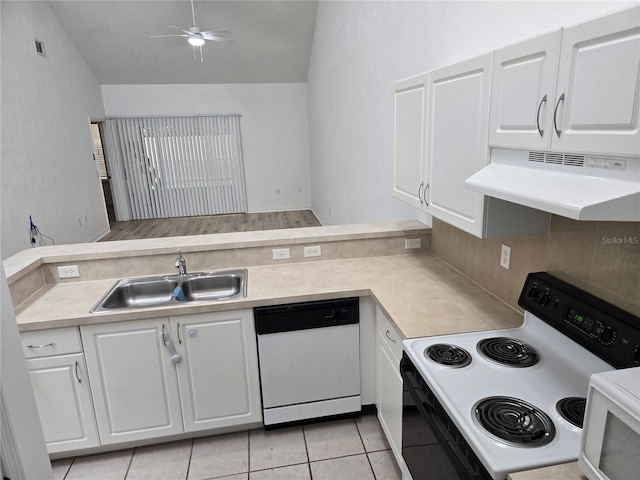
(181, 29)
(161, 36)
(221, 32)
(215, 38)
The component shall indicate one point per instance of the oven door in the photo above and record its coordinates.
(432, 446)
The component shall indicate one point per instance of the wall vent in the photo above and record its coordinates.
(40, 47)
(557, 158)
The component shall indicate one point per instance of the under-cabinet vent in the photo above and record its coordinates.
(536, 157)
(574, 160)
(554, 158)
(557, 158)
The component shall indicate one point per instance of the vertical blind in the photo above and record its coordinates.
(175, 166)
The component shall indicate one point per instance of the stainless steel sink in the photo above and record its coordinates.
(166, 290)
(215, 286)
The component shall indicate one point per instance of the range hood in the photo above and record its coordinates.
(581, 187)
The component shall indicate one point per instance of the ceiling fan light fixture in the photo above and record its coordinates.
(196, 40)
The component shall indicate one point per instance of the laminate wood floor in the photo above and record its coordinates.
(242, 222)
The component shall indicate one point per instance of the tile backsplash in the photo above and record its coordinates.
(600, 257)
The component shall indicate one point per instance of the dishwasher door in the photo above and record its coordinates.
(310, 372)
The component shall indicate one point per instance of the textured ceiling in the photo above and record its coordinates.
(271, 40)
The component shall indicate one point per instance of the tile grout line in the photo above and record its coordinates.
(306, 451)
(248, 454)
(130, 462)
(364, 447)
(73, 459)
(190, 457)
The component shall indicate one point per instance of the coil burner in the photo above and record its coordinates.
(508, 351)
(514, 421)
(448, 355)
(572, 410)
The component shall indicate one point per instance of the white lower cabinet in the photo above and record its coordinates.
(133, 380)
(218, 374)
(388, 391)
(63, 396)
(61, 388)
(158, 377)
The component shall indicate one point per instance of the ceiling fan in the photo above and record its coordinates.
(197, 37)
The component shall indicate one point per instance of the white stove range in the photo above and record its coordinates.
(514, 397)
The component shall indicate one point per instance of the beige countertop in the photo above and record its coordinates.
(567, 471)
(420, 294)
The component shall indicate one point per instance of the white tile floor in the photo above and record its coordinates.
(350, 449)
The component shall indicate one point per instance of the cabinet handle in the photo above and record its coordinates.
(540, 131)
(426, 189)
(420, 192)
(555, 116)
(52, 344)
(77, 376)
(178, 330)
(389, 337)
(175, 356)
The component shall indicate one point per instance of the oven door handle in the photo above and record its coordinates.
(437, 427)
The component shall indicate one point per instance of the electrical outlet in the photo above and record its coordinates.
(505, 256)
(412, 243)
(281, 253)
(68, 271)
(314, 251)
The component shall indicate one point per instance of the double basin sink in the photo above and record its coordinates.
(167, 290)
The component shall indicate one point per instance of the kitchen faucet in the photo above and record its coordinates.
(181, 263)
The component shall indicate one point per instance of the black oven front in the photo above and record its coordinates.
(432, 446)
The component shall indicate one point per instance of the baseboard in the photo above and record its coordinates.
(99, 236)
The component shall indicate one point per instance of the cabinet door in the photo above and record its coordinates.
(389, 395)
(457, 124)
(388, 385)
(218, 375)
(62, 393)
(522, 93)
(134, 383)
(598, 94)
(409, 140)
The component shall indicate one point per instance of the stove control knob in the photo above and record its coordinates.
(533, 292)
(608, 336)
(545, 298)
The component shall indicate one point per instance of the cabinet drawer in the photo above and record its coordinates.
(388, 332)
(45, 343)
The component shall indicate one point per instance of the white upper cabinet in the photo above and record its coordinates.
(409, 142)
(575, 90)
(598, 91)
(457, 126)
(523, 93)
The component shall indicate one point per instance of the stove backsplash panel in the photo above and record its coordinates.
(602, 258)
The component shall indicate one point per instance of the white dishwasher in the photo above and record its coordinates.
(309, 356)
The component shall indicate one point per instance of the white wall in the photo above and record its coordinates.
(24, 453)
(361, 48)
(273, 127)
(47, 166)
